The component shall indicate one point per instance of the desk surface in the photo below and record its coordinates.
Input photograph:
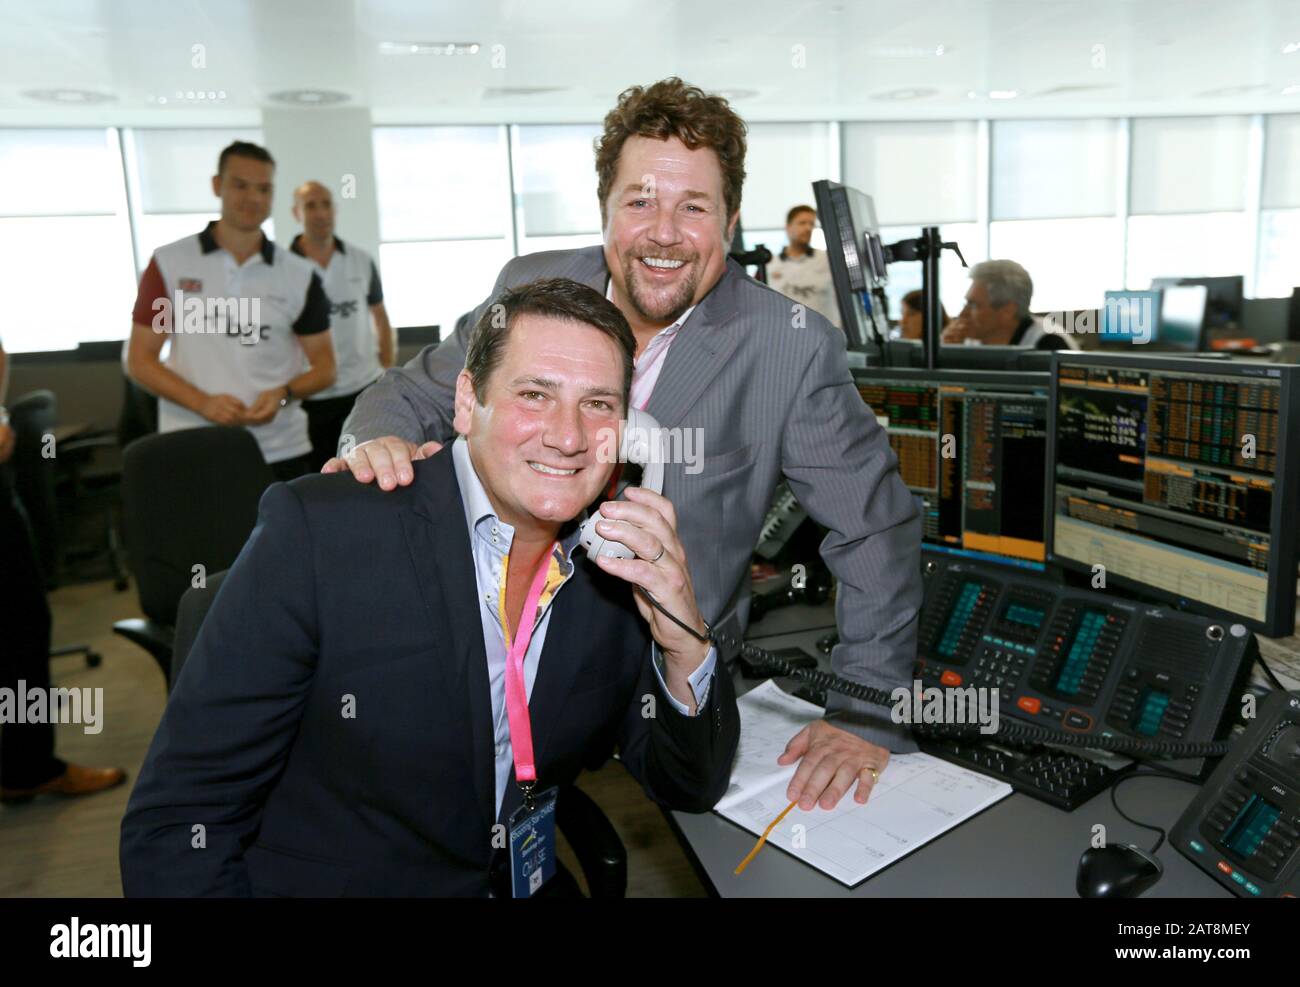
(1019, 847)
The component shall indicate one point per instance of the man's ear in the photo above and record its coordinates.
(216, 186)
(731, 227)
(465, 403)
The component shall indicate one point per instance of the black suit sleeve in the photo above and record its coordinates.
(682, 762)
(230, 720)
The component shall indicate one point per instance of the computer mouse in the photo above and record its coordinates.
(1117, 870)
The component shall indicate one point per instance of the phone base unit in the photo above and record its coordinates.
(1078, 661)
(1243, 827)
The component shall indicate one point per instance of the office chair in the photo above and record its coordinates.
(57, 486)
(591, 835)
(189, 499)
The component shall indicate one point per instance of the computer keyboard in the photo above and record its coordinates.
(1057, 777)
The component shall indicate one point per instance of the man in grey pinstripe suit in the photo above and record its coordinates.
(764, 380)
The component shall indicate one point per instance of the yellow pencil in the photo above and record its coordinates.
(763, 839)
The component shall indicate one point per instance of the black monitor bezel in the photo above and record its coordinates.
(1016, 380)
(1279, 618)
(853, 315)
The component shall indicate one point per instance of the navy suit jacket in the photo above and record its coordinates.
(330, 733)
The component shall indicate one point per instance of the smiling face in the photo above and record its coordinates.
(546, 408)
(244, 187)
(666, 229)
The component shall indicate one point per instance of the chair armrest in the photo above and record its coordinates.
(595, 843)
(155, 638)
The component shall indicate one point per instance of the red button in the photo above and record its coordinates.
(1224, 867)
(1028, 704)
(950, 677)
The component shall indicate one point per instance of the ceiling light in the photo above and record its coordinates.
(1003, 93)
(909, 51)
(429, 47)
(1290, 90)
(309, 97)
(1241, 90)
(69, 97)
(1291, 48)
(904, 94)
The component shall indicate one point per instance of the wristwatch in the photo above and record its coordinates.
(4, 415)
(288, 393)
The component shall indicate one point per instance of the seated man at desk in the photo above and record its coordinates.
(997, 311)
(302, 753)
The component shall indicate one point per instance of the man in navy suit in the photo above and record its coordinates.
(345, 722)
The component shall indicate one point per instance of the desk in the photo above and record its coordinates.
(1019, 847)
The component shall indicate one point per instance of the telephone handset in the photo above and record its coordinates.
(1243, 827)
(641, 442)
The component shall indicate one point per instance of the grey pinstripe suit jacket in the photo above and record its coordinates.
(771, 400)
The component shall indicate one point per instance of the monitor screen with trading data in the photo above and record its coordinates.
(971, 447)
(1173, 477)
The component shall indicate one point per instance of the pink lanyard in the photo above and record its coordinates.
(521, 728)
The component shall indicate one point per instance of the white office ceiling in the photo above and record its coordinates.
(136, 61)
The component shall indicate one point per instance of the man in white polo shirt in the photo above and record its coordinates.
(801, 272)
(243, 318)
(356, 297)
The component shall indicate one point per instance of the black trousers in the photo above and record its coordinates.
(26, 750)
(325, 418)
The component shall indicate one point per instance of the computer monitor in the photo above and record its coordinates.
(857, 260)
(1224, 302)
(910, 353)
(971, 447)
(1182, 319)
(1176, 477)
(1129, 318)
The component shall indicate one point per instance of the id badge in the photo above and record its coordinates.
(532, 844)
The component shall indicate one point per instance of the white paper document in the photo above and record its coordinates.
(916, 798)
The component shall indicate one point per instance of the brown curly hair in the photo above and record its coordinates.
(671, 108)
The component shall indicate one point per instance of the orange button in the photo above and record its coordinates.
(1028, 704)
(1224, 867)
(949, 677)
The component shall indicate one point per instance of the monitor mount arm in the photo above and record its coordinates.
(926, 248)
(760, 257)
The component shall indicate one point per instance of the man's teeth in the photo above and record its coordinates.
(551, 471)
(667, 265)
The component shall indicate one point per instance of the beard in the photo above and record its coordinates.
(656, 306)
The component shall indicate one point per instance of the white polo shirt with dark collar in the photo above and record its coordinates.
(232, 329)
(352, 285)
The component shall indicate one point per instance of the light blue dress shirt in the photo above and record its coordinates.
(490, 539)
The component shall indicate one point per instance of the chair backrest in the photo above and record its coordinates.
(188, 498)
(139, 415)
(33, 417)
(194, 606)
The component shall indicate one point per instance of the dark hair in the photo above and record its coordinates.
(671, 108)
(789, 217)
(559, 298)
(915, 300)
(243, 149)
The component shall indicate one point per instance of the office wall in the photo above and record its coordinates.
(332, 146)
